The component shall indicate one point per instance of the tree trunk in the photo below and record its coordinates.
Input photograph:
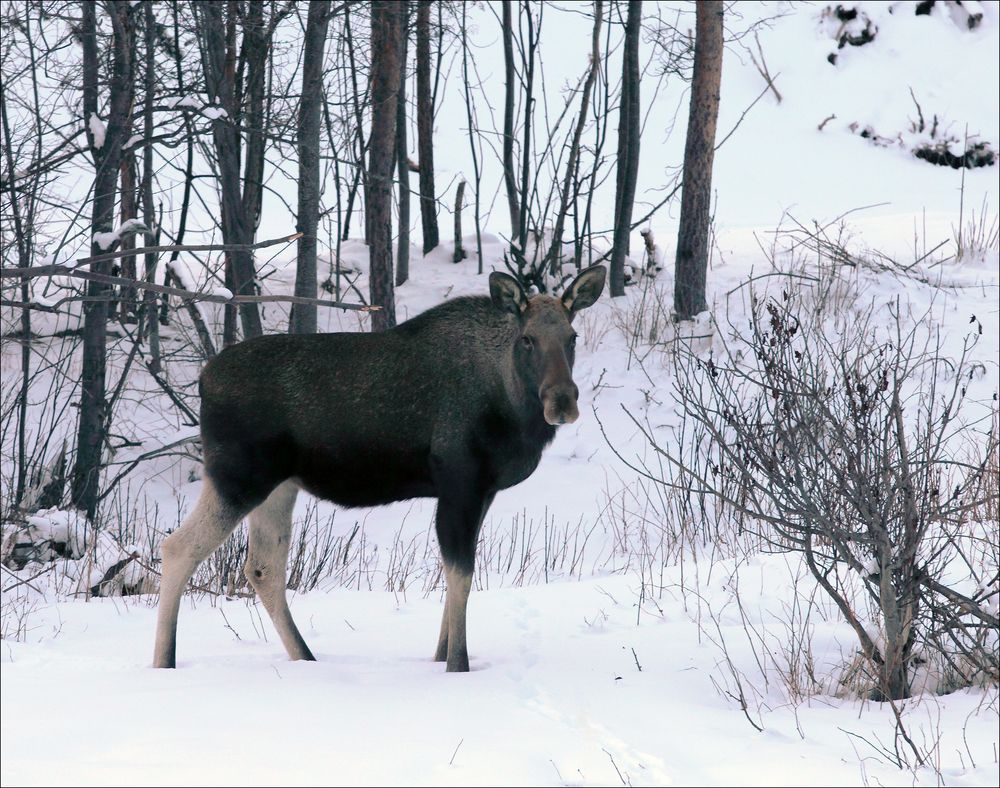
(219, 56)
(126, 211)
(473, 139)
(23, 261)
(107, 159)
(425, 128)
(459, 254)
(387, 29)
(691, 265)
(510, 85)
(629, 121)
(555, 251)
(150, 316)
(529, 87)
(303, 318)
(360, 173)
(402, 161)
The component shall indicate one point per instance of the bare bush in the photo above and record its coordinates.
(850, 449)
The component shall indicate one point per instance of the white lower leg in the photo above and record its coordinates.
(211, 521)
(441, 654)
(459, 588)
(266, 567)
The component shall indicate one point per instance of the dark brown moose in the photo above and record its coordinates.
(455, 404)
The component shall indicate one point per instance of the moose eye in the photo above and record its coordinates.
(527, 342)
(572, 340)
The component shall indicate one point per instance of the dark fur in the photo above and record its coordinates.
(437, 407)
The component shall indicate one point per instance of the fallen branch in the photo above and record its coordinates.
(64, 270)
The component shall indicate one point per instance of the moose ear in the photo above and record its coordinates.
(507, 293)
(585, 289)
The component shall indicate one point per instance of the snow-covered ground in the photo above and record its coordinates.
(607, 645)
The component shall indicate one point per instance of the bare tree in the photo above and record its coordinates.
(402, 159)
(303, 316)
(425, 128)
(475, 139)
(691, 265)
(357, 101)
(388, 20)
(105, 141)
(629, 126)
(149, 324)
(510, 88)
(126, 306)
(572, 164)
(235, 74)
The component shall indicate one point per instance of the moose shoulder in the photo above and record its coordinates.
(456, 404)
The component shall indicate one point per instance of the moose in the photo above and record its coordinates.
(456, 403)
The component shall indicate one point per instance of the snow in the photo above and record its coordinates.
(609, 641)
(214, 113)
(181, 275)
(97, 130)
(105, 240)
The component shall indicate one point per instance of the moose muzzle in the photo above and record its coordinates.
(559, 403)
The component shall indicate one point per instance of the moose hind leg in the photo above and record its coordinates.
(266, 567)
(208, 525)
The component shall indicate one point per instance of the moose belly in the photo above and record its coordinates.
(364, 476)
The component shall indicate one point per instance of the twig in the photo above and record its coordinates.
(228, 625)
(27, 582)
(620, 777)
(762, 67)
(826, 120)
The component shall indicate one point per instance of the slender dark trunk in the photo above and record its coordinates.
(555, 251)
(256, 48)
(473, 139)
(402, 161)
(510, 85)
(152, 323)
(237, 225)
(126, 211)
(601, 116)
(387, 28)
(208, 346)
(23, 261)
(360, 173)
(303, 318)
(691, 266)
(107, 158)
(425, 128)
(529, 85)
(459, 253)
(628, 148)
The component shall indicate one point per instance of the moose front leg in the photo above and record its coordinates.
(458, 523)
(441, 653)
